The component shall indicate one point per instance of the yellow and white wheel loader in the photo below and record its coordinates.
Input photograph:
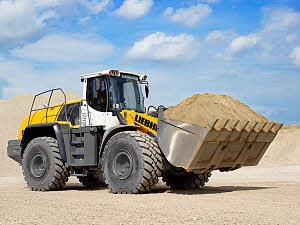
(108, 138)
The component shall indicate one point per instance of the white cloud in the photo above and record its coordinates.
(272, 44)
(133, 9)
(216, 35)
(281, 19)
(64, 48)
(95, 6)
(188, 16)
(50, 3)
(84, 20)
(241, 45)
(160, 47)
(19, 21)
(23, 21)
(295, 56)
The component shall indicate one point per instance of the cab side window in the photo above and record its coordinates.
(73, 112)
(96, 94)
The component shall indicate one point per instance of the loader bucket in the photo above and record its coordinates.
(222, 144)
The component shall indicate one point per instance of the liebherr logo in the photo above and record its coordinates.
(147, 123)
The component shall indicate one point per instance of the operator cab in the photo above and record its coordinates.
(109, 91)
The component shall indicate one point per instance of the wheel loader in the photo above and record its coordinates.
(108, 138)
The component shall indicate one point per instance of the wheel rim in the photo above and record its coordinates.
(38, 165)
(122, 164)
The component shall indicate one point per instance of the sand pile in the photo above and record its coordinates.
(12, 112)
(285, 149)
(201, 109)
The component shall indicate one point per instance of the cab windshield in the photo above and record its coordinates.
(125, 93)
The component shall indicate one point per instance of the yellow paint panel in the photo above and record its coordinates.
(146, 122)
(42, 116)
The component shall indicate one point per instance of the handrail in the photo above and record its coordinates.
(47, 107)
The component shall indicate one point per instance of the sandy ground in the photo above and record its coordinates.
(248, 196)
(266, 194)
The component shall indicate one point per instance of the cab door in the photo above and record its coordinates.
(95, 109)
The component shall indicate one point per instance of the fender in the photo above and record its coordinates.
(112, 131)
(44, 130)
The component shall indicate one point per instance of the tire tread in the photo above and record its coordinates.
(152, 162)
(60, 175)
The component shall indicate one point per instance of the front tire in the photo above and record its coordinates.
(131, 163)
(43, 168)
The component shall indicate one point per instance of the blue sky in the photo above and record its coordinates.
(249, 50)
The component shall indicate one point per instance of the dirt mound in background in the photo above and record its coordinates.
(201, 109)
(297, 126)
(12, 112)
(285, 149)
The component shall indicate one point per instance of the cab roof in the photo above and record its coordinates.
(114, 73)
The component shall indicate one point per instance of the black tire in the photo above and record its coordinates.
(178, 178)
(93, 179)
(43, 168)
(132, 163)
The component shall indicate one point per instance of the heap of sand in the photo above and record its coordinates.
(202, 109)
(285, 149)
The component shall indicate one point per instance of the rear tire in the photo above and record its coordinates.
(178, 178)
(93, 179)
(131, 163)
(43, 168)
